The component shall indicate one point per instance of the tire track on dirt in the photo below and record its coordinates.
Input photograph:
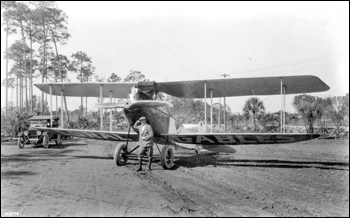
(237, 187)
(179, 203)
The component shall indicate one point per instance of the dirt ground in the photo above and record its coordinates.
(80, 178)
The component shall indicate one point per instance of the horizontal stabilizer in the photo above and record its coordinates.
(219, 148)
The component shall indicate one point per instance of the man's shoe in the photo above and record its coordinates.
(149, 165)
(140, 165)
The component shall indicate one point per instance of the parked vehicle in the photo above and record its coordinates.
(38, 137)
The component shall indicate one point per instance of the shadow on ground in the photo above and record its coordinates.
(36, 155)
(16, 174)
(204, 160)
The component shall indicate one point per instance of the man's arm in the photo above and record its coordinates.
(136, 124)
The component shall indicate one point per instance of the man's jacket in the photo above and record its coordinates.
(147, 133)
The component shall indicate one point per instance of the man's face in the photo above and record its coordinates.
(143, 122)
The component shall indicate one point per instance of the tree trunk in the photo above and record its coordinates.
(57, 58)
(7, 64)
(31, 74)
(311, 128)
(24, 68)
(58, 65)
(81, 80)
(45, 101)
(20, 94)
(26, 90)
(17, 93)
(43, 70)
(12, 96)
(20, 89)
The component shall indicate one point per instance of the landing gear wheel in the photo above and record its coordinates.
(120, 157)
(167, 157)
(46, 141)
(21, 142)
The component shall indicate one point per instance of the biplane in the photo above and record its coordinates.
(144, 99)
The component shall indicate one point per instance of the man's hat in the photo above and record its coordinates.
(142, 118)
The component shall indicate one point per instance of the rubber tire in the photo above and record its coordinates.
(167, 157)
(21, 142)
(119, 155)
(46, 141)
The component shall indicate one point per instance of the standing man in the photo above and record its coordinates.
(145, 141)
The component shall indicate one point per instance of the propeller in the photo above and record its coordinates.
(133, 104)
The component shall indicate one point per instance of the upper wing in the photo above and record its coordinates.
(215, 139)
(93, 134)
(243, 86)
(195, 89)
(119, 90)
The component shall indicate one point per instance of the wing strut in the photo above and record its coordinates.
(211, 110)
(219, 113)
(284, 111)
(101, 110)
(283, 107)
(110, 113)
(127, 140)
(62, 108)
(205, 106)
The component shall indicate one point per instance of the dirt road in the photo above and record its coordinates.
(80, 179)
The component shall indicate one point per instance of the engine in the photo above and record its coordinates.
(144, 90)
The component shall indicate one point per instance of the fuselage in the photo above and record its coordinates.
(159, 118)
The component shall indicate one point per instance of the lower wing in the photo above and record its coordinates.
(209, 139)
(92, 134)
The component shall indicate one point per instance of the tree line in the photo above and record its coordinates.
(38, 29)
(44, 27)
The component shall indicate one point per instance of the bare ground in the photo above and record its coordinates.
(80, 179)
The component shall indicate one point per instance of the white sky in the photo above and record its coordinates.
(174, 41)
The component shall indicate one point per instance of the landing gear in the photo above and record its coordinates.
(120, 154)
(167, 157)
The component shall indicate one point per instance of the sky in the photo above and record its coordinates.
(181, 41)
